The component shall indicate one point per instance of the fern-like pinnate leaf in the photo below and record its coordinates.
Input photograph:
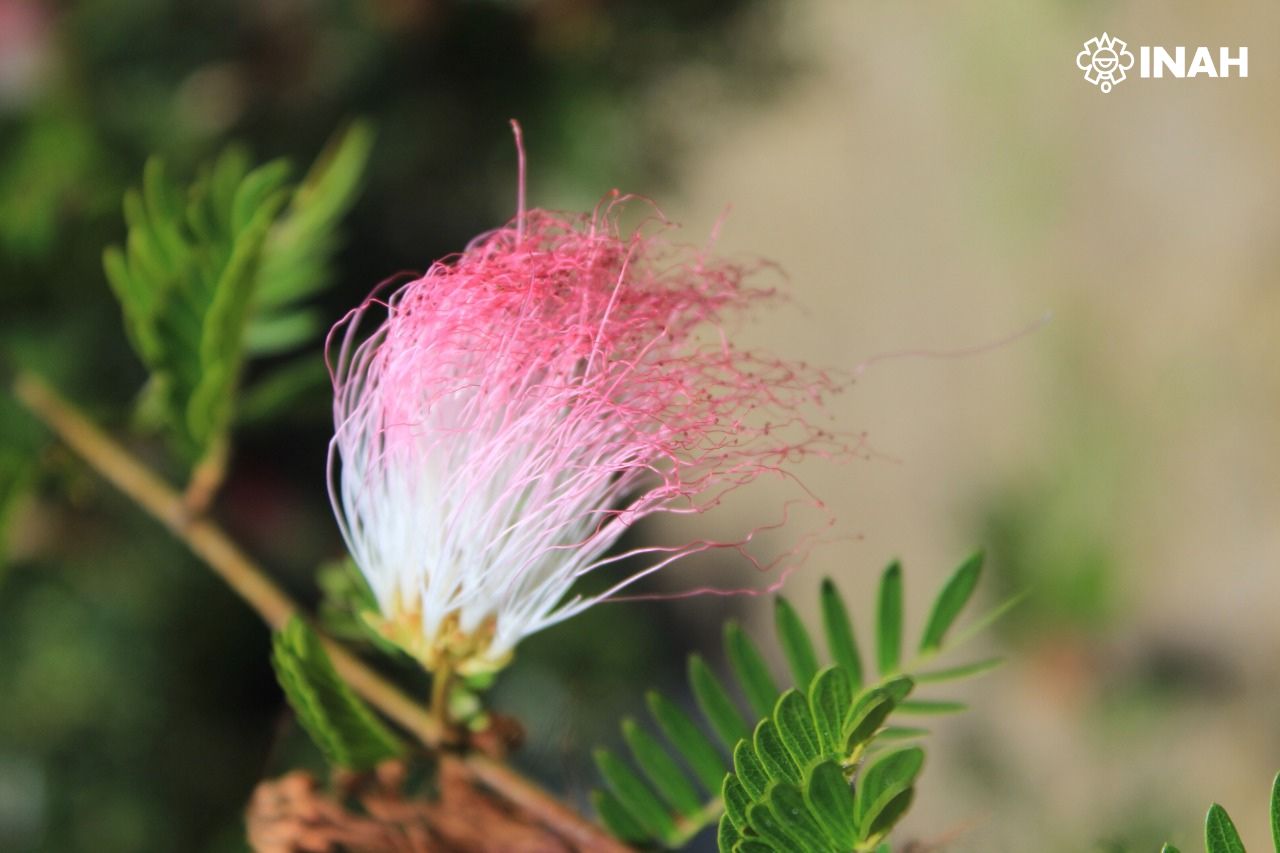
(814, 717)
(344, 728)
(213, 273)
(184, 280)
(801, 805)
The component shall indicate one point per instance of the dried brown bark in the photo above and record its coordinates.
(372, 814)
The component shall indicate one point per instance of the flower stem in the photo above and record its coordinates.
(441, 687)
(251, 583)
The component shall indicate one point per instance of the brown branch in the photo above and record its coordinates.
(251, 583)
(373, 813)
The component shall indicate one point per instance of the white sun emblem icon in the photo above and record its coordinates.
(1104, 61)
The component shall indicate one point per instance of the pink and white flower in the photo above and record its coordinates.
(522, 404)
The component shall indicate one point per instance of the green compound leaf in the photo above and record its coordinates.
(774, 757)
(955, 673)
(344, 728)
(736, 801)
(691, 743)
(889, 621)
(796, 728)
(870, 710)
(789, 752)
(883, 791)
(954, 596)
(900, 687)
(931, 706)
(1220, 835)
(765, 824)
(749, 668)
(791, 812)
(714, 702)
(728, 834)
(830, 800)
(345, 598)
(987, 619)
(296, 263)
(824, 722)
(795, 642)
(892, 812)
(748, 768)
(634, 796)
(901, 733)
(617, 819)
(830, 697)
(752, 845)
(185, 280)
(277, 394)
(660, 769)
(281, 333)
(841, 640)
(211, 274)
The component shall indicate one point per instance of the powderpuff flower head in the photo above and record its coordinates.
(522, 404)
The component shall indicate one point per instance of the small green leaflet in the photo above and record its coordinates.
(635, 797)
(750, 669)
(344, 728)
(1220, 835)
(661, 770)
(889, 620)
(795, 642)
(841, 640)
(1275, 812)
(714, 702)
(954, 596)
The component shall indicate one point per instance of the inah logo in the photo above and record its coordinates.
(1104, 61)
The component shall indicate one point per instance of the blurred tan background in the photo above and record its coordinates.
(941, 176)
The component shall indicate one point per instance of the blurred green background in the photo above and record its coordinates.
(930, 177)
